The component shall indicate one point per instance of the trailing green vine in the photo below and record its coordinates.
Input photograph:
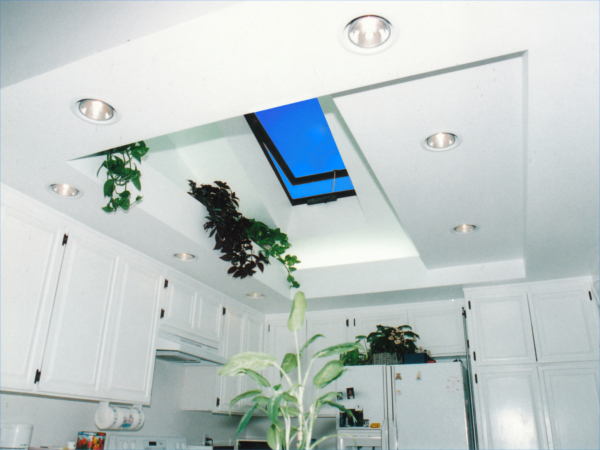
(234, 234)
(120, 171)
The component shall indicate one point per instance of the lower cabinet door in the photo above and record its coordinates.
(510, 414)
(233, 343)
(571, 401)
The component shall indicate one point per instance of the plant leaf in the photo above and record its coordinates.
(330, 372)
(262, 381)
(310, 341)
(273, 436)
(109, 187)
(336, 350)
(273, 407)
(246, 419)
(289, 363)
(137, 183)
(249, 360)
(244, 395)
(296, 319)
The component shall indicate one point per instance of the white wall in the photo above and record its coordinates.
(57, 421)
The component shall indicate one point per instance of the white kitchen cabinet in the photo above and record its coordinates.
(440, 329)
(132, 325)
(509, 405)
(32, 253)
(565, 326)
(233, 343)
(279, 341)
(570, 392)
(75, 352)
(253, 342)
(500, 329)
(192, 310)
(334, 329)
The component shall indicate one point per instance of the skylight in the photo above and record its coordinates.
(298, 143)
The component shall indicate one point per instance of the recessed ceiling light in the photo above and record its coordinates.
(441, 141)
(465, 228)
(184, 256)
(65, 190)
(95, 111)
(369, 31)
(254, 295)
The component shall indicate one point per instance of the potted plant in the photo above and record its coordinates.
(292, 415)
(386, 345)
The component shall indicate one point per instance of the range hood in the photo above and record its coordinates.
(170, 347)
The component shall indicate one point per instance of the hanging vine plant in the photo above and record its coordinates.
(120, 171)
(234, 234)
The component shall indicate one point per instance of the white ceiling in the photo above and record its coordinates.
(518, 82)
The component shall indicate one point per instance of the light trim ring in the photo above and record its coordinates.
(441, 141)
(95, 111)
(65, 190)
(465, 228)
(367, 34)
(184, 256)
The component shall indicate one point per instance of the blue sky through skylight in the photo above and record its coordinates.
(302, 137)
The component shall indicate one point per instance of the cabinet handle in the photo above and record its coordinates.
(38, 374)
(162, 313)
(474, 356)
(218, 401)
(476, 378)
(590, 294)
(347, 322)
(65, 239)
(166, 283)
(354, 322)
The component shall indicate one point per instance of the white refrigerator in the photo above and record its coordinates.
(410, 406)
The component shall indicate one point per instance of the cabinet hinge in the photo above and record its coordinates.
(65, 239)
(218, 401)
(347, 322)
(590, 294)
(162, 313)
(475, 378)
(474, 356)
(468, 346)
(469, 304)
(224, 310)
(38, 374)
(166, 283)
(464, 313)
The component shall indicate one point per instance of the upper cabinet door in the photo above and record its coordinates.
(253, 342)
(74, 351)
(207, 321)
(32, 252)
(279, 341)
(571, 400)
(510, 414)
(502, 330)
(565, 326)
(132, 334)
(440, 330)
(181, 304)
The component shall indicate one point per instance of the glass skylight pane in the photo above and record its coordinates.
(301, 134)
(298, 142)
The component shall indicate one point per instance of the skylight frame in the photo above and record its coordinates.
(272, 153)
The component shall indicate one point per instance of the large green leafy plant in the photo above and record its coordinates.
(234, 233)
(120, 171)
(292, 416)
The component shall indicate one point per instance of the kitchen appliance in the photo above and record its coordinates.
(135, 442)
(15, 435)
(409, 406)
(175, 348)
